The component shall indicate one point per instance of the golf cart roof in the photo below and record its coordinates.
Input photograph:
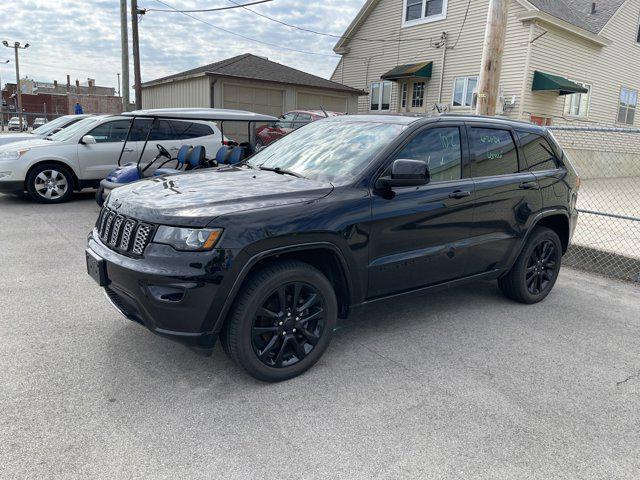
(211, 114)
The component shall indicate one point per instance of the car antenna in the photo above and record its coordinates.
(324, 111)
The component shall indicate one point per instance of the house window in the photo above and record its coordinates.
(627, 105)
(380, 96)
(577, 104)
(463, 90)
(417, 98)
(423, 11)
(403, 98)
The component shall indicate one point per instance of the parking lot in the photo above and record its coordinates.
(458, 384)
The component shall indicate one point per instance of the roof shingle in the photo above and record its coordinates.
(252, 67)
(578, 12)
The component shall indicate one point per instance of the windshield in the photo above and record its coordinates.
(69, 132)
(328, 150)
(45, 129)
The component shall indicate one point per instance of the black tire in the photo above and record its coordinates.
(59, 178)
(536, 270)
(239, 338)
(99, 196)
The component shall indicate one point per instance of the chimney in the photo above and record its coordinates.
(593, 8)
(55, 86)
(91, 83)
(77, 86)
(68, 83)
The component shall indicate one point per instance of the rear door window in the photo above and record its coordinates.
(537, 152)
(187, 130)
(440, 149)
(493, 152)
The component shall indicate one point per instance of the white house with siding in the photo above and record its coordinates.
(564, 60)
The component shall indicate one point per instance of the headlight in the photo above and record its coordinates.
(188, 239)
(13, 154)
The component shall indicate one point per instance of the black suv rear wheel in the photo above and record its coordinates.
(282, 321)
(536, 270)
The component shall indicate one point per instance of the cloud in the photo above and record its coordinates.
(82, 38)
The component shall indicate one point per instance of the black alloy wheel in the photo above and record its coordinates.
(282, 320)
(541, 267)
(536, 269)
(288, 325)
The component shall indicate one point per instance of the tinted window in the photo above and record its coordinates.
(303, 119)
(440, 149)
(115, 131)
(493, 152)
(186, 130)
(537, 152)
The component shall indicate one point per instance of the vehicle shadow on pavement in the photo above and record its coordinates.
(137, 355)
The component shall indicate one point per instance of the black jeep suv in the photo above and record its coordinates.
(345, 211)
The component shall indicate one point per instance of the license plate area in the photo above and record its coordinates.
(97, 268)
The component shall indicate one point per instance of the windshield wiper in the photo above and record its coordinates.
(281, 171)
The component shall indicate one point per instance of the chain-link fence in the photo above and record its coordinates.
(607, 238)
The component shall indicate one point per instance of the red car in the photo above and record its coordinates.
(288, 122)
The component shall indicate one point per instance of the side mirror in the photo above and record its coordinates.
(88, 140)
(405, 173)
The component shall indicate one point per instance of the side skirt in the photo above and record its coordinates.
(491, 275)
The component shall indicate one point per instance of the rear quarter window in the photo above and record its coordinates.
(538, 153)
(187, 130)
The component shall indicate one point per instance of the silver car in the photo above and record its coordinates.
(46, 130)
(81, 155)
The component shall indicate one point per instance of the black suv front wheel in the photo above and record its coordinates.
(282, 321)
(536, 270)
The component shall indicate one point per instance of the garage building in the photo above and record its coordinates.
(249, 82)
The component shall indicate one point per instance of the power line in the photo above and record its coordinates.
(279, 47)
(340, 37)
(466, 14)
(207, 9)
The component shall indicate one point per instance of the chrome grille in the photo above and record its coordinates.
(126, 234)
(142, 238)
(123, 234)
(115, 231)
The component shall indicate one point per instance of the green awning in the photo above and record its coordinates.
(548, 82)
(409, 70)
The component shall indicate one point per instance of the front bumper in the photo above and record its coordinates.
(177, 295)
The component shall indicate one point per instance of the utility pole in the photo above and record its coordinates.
(16, 46)
(494, 39)
(136, 51)
(124, 46)
(1, 100)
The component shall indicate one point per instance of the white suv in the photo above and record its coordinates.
(81, 155)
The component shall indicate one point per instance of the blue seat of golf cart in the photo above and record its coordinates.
(223, 154)
(238, 154)
(195, 159)
(181, 159)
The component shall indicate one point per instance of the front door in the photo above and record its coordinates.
(419, 234)
(507, 195)
(97, 160)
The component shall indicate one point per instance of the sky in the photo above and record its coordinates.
(82, 38)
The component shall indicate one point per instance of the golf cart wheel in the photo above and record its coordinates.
(50, 183)
(536, 270)
(282, 321)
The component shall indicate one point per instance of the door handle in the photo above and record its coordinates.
(459, 194)
(528, 186)
(128, 150)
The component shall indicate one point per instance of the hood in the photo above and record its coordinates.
(31, 142)
(17, 137)
(194, 199)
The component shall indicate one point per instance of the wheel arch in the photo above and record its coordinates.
(60, 163)
(324, 256)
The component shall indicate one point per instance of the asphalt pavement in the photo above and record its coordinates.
(458, 384)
